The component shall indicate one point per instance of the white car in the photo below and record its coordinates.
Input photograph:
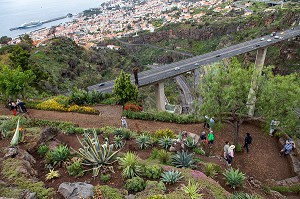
(269, 40)
(262, 39)
(176, 68)
(276, 37)
(196, 64)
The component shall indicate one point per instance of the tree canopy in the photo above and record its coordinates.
(14, 81)
(124, 90)
(225, 93)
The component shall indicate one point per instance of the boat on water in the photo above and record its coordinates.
(31, 24)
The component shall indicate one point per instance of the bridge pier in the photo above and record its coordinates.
(258, 67)
(160, 96)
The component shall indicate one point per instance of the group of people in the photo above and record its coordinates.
(17, 107)
(228, 153)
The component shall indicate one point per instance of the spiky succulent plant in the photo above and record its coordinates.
(165, 142)
(118, 142)
(171, 176)
(234, 178)
(183, 159)
(95, 154)
(144, 141)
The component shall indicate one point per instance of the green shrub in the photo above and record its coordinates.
(105, 178)
(171, 176)
(43, 150)
(135, 184)
(161, 116)
(107, 192)
(159, 185)
(118, 142)
(193, 190)
(152, 171)
(130, 165)
(287, 189)
(144, 141)
(199, 151)
(164, 133)
(183, 159)
(163, 156)
(190, 143)
(234, 178)
(75, 169)
(82, 97)
(211, 169)
(242, 195)
(59, 154)
(165, 142)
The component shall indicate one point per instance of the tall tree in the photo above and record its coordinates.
(225, 94)
(124, 89)
(278, 99)
(20, 57)
(14, 81)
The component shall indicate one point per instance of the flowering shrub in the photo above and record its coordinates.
(133, 107)
(59, 103)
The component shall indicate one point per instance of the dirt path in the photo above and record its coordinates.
(263, 161)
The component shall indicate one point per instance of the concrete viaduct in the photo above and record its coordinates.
(158, 74)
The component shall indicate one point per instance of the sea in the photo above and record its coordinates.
(14, 13)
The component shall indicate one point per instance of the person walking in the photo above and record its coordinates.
(230, 155)
(226, 146)
(13, 107)
(210, 138)
(124, 122)
(248, 141)
(21, 105)
(206, 122)
(212, 123)
(273, 125)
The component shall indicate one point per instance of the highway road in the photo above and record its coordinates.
(163, 72)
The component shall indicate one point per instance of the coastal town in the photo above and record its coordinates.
(118, 18)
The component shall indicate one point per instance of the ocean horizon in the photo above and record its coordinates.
(14, 13)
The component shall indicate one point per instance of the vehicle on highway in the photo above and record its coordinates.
(269, 40)
(257, 45)
(273, 34)
(262, 39)
(101, 84)
(196, 64)
(218, 55)
(176, 68)
(276, 37)
(280, 37)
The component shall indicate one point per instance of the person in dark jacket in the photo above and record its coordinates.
(21, 106)
(248, 141)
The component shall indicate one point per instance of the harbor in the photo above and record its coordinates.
(39, 23)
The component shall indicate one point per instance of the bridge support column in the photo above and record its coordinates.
(259, 64)
(160, 96)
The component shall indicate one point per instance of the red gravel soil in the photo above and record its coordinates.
(263, 161)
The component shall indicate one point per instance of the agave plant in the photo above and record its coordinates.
(95, 154)
(171, 176)
(16, 137)
(234, 178)
(193, 189)
(165, 142)
(118, 142)
(119, 132)
(183, 159)
(190, 143)
(59, 155)
(129, 164)
(144, 141)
